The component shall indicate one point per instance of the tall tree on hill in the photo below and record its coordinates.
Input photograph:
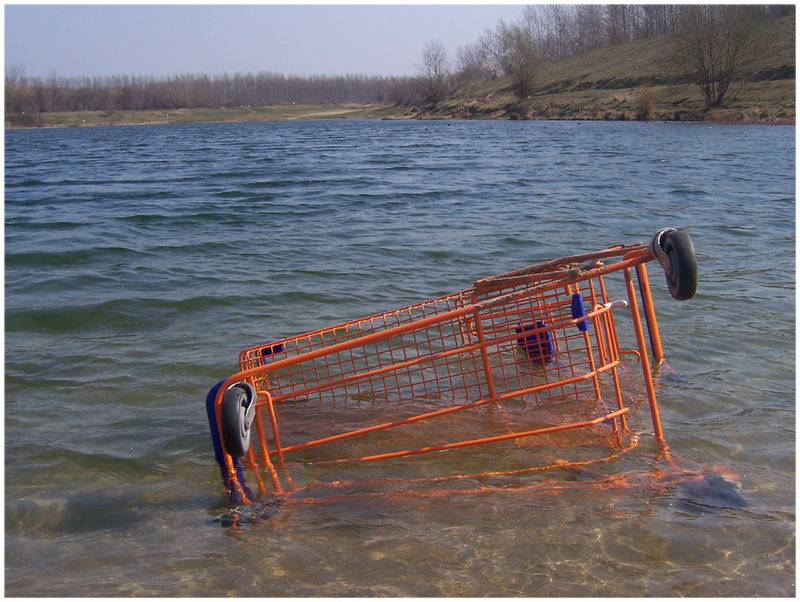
(471, 60)
(711, 43)
(521, 61)
(493, 45)
(435, 72)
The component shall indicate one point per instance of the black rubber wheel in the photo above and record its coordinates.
(235, 421)
(682, 270)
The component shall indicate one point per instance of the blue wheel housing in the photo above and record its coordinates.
(238, 410)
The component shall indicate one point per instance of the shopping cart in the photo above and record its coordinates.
(532, 355)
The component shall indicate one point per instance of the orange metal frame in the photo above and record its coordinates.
(510, 339)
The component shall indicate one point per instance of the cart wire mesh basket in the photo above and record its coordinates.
(522, 372)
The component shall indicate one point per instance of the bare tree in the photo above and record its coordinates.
(617, 24)
(712, 38)
(521, 61)
(590, 27)
(552, 29)
(404, 91)
(645, 103)
(494, 45)
(435, 71)
(15, 83)
(471, 62)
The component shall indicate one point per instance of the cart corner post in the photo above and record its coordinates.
(646, 375)
(649, 313)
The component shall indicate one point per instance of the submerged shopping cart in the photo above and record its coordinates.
(530, 355)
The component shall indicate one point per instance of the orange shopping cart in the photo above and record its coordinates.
(529, 356)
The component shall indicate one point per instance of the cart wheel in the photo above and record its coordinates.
(681, 268)
(238, 410)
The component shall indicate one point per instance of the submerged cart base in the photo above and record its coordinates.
(523, 372)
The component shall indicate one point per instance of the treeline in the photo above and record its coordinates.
(128, 93)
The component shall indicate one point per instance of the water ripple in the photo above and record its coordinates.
(139, 261)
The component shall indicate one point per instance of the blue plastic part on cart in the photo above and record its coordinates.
(270, 349)
(578, 311)
(234, 495)
(538, 346)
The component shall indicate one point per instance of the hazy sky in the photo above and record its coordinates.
(330, 39)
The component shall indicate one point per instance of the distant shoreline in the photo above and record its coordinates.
(220, 115)
(343, 111)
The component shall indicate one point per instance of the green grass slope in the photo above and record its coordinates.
(615, 82)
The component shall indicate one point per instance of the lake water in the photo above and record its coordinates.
(140, 260)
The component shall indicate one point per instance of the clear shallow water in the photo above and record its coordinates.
(139, 261)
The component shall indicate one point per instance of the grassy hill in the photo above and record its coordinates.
(609, 83)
